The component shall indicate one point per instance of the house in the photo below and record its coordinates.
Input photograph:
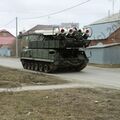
(7, 43)
(106, 30)
(105, 40)
(41, 27)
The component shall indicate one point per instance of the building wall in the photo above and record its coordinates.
(5, 52)
(112, 55)
(105, 33)
(104, 55)
(97, 55)
(12, 49)
(8, 45)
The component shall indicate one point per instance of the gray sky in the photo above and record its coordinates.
(85, 14)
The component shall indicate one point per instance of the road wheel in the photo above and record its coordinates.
(46, 68)
(24, 65)
(28, 66)
(36, 67)
(83, 66)
(40, 67)
(32, 66)
(77, 69)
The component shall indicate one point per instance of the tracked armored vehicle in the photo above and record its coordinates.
(49, 51)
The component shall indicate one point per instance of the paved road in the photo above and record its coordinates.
(90, 76)
(11, 62)
(101, 77)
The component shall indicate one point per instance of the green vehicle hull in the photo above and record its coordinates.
(49, 53)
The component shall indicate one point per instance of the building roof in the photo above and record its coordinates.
(105, 27)
(6, 40)
(41, 27)
(111, 18)
(104, 46)
(5, 31)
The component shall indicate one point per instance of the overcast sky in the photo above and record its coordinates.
(23, 9)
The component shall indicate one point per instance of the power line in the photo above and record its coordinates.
(54, 13)
(7, 23)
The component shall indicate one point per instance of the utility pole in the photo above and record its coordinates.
(113, 6)
(16, 37)
(119, 6)
(109, 13)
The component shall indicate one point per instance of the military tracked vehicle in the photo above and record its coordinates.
(49, 51)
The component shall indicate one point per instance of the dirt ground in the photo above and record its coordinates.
(15, 78)
(60, 104)
(67, 104)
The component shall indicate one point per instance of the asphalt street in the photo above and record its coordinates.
(90, 76)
